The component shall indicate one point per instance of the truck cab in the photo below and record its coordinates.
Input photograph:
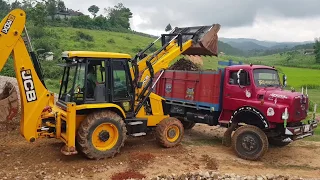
(260, 87)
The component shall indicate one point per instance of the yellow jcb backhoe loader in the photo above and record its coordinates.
(102, 99)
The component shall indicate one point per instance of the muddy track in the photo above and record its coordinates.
(201, 149)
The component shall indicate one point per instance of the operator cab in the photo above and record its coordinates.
(96, 77)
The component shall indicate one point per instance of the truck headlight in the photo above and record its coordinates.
(285, 114)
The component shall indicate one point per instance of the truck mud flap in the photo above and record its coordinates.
(9, 104)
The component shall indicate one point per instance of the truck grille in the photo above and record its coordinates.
(300, 108)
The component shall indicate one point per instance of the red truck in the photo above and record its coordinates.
(249, 100)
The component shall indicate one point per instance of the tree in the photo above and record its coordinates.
(51, 8)
(61, 6)
(94, 10)
(15, 4)
(38, 14)
(317, 49)
(4, 8)
(168, 28)
(119, 16)
(28, 4)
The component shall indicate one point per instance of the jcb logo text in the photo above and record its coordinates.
(8, 24)
(28, 85)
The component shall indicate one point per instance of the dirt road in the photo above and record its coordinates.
(201, 150)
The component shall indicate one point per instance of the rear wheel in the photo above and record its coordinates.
(250, 142)
(101, 135)
(169, 132)
(278, 141)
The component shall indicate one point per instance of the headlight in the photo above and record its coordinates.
(285, 114)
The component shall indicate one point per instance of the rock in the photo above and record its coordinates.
(206, 175)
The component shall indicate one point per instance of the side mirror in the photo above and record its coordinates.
(284, 79)
(238, 78)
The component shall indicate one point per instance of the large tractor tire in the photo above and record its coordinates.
(9, 103)
(277, 141)
(101, 135)
(186, 124)
(169, 132)
(249, 142)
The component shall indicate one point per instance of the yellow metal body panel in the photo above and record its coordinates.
(101, 106)
(157, 109)
(93, 54)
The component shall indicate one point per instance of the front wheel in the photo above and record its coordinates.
(169, 132)
(249, 142)
(101, 135)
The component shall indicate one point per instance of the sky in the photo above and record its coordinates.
(271, 20)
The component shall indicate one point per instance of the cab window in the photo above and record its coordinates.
(244, 78)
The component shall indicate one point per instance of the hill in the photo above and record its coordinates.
(228, 49)
(246, 46)
(262, 47)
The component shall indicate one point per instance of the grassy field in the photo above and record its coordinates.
(102, 41)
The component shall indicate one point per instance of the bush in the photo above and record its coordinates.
(111, 41)
(43, 43)
(83, 36)
(8, 69)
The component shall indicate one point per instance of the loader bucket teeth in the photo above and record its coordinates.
(205, 39)
(9, 104)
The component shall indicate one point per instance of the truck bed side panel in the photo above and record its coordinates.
(198, 88)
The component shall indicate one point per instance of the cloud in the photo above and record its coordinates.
(280, 20)
(229, 13)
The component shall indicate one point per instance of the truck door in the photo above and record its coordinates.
(237, 94)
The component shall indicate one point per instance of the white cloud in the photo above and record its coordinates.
(276, 29)
(276, 20)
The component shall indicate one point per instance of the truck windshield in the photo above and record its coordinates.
(266, 78)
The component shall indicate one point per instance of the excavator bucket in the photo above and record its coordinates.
(205, 39)
(9, 104)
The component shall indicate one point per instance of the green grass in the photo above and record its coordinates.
(105, 41)
(298, 77)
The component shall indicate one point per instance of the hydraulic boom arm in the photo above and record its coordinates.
(33, 94)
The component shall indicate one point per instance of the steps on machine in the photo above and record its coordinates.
(136, 127)
(138, 134)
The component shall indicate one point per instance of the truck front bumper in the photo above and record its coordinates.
(300, 132)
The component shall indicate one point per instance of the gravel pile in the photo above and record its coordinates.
(185, 65)
(216, 175)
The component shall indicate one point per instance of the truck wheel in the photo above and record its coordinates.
(186, 124)
(277, 141)
(249, 142)
(101, 135)
(169, 132)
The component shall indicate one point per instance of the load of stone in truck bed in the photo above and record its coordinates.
(185, 65)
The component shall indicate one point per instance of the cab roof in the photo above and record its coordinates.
(236, 67)
(95, 54)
